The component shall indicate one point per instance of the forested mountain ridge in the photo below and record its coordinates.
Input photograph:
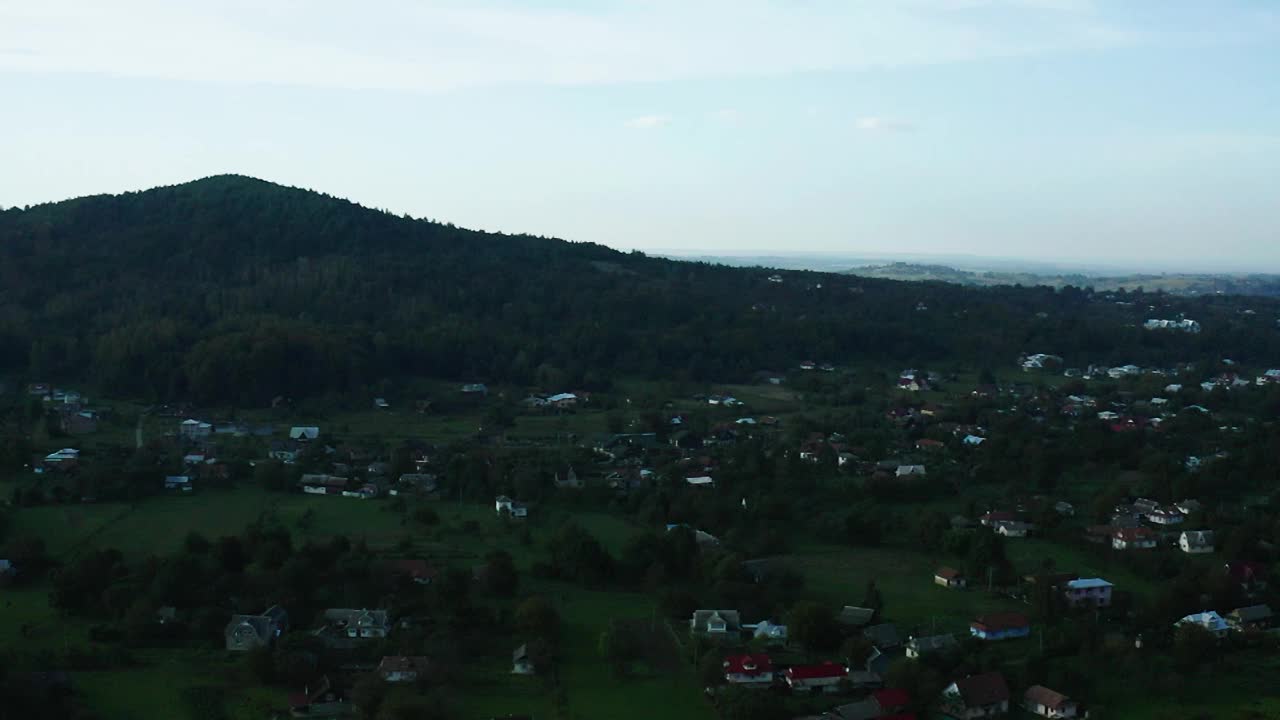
(235, 289)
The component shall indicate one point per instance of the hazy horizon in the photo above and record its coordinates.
(1128, 134)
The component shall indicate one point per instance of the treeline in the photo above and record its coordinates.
(237, 290)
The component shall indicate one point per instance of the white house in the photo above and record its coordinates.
(1092, 592)
(1210, 620)
(511, 507)
(700, 481)
(911, 471)
(1012, 528)
(1196, 542)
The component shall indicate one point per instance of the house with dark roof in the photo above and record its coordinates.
(247, 632)
(1048, 703)
(920, 646)
(716, 624)
(402, 668)
(358, 624)
(1253, 617)
(1000, 626)
(883, 636)
(853, 616)
(1135, 538)
(1196, 542)
(977, 696)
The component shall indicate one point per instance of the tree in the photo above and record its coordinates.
(538, 618)
(737, 703)
(814, 626)
(619, 645)
(368, 693)
(500, 574)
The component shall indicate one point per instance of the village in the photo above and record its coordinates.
(932, 637)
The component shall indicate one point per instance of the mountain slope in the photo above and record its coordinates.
(235, 289)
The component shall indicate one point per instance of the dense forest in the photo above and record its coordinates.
(236, 289)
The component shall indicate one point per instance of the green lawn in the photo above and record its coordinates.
(839, 576)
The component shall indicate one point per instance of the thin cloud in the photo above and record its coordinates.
(882, 124)
(648, 122)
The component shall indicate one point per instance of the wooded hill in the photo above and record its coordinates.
(231, 289)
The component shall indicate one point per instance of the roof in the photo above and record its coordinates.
(985, 689)
(402, 663)
(883, 636)
(1088, 584)
(816, 672)
(1042, 695)
(853, 615)
(757, 664)
(1198, 538)
(1002, 621)
(948, 573)
(891, 698)
(1252, 613)
(1209, 620)
(932, 643)
(1134, 533)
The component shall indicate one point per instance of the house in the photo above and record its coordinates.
(929, 444)
(359, 624)
(314, 484)
(921, 646)
(1044, 702)
(1164, 517)
(823, 677)
(65, 456)
(569, 481)
(748, 670)
(1012, 528)
(503, 504)
(181, 483)
(1210, 620)
(977, 696)
(285, 452)
(190, 429)
(381, 403)
(1000, 626)
(891, 701)
(304, 433)
(475, 389)
(700, 481)
(910, 471)
(1253, 617)
(716, 624)
(768, 631)
(995, 516)
(1196, 542)
(521, 663)
(246, 632)
(974, 440)
(949, 578)
(1137, 538)
(856, 617)
(416, 571)
(84, 422)
(1251, 576)
(883, 636)
(325, 701)
(1189, 506)
(1088, 592)
(402, 668)
(1064, 508)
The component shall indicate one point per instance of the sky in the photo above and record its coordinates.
(1143, 133)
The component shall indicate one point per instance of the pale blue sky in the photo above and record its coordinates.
(1107, 131)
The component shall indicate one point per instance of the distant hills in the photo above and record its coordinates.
(235, 290)
(1175, 283)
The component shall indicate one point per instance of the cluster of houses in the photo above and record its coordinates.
(1145, 524)
(1184, 325)
(1251, 618)
(557, 401)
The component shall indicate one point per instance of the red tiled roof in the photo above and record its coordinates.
(948, 573)
(815, 672)
(1132, 534)
(1042, 695)
(1002, 621)
(891, 698)
(758, 664)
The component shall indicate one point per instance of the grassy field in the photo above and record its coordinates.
(839, 576)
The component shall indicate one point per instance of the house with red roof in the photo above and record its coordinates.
(949, 578)
(891, 700)
(823, 677)
(1048, 703)
(1133, 538)
(1000, 626)
(754, 670)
